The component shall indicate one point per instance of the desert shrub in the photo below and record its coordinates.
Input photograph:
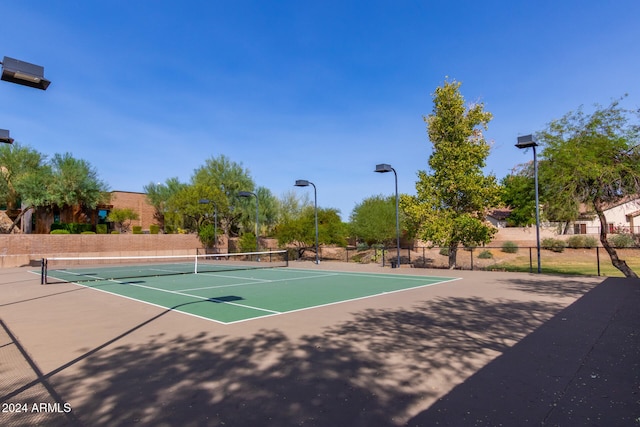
(101, 228)
(444, 251)
(362, 246)
(485, 254)
(247, 242)
(60, 231)
(207, 235)
(154, 229)
(88, 232)
(622, 240)
(137, 229)
(582, 241)
(509, 247)
(71, 227)
(554, 245)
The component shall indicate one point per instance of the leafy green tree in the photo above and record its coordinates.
(451, 201)
(159, 196)
(374, 220)
(518, 193)
(122, 218)
(75, 183)
(299, 230)
(17, 163)
(228, 178)
(24, 176)
(593, 159)
(267, 212)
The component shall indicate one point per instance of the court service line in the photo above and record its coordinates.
(350, 300)
(252, 283)
(192, 296)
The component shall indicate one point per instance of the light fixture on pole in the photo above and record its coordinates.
(215, 222)
(249, 194)
(4, 137)
(305, 183)
(24, 73)
(527, 141)
(383, 168)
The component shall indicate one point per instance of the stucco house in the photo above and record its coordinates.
(622, 217)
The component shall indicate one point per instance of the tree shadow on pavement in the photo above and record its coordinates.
(381, 368)
(580, 368)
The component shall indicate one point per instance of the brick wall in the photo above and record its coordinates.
(18, 250)
(138, 203)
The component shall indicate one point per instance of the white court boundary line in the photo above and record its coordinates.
(324, 273)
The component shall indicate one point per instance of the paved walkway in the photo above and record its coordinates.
(580, 368)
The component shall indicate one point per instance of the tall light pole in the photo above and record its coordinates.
(215, 222)
(305, 183)
(383, 168)
(249, 194)
(527, 141)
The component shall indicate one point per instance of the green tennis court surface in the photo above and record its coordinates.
(235, 296)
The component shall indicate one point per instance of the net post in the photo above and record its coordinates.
(195, 264)
(286, 258)
(43, 271)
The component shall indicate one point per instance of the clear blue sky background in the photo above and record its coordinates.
(322, 90)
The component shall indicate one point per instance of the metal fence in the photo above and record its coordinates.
(582, 261)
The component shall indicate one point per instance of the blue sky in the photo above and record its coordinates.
(322, 91)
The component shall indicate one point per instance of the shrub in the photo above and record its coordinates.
(444, 251)
(362, 246)
(137, 229)
(154, 229)
(622, 240)
(101, 228)
(509, 247)
(582, 241)
(486, 254)
(207, 236)
(247, 242)
(71, 227)
(555, 245)
(88, 232)
(60, 231)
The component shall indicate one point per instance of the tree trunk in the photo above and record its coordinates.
(15, 222)
(453, 252)
(617, 262)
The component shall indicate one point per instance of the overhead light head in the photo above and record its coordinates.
(24, 73)
(302, 183)
(203, 201)
(4, 137)
(383, 167)
(245, 194)
(526, 141)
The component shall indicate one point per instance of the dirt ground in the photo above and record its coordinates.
(489, 349)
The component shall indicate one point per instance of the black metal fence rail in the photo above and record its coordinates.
(587, 261)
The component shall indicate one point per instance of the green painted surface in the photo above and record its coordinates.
(233, 296)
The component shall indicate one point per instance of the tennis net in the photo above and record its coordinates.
(84, 269)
